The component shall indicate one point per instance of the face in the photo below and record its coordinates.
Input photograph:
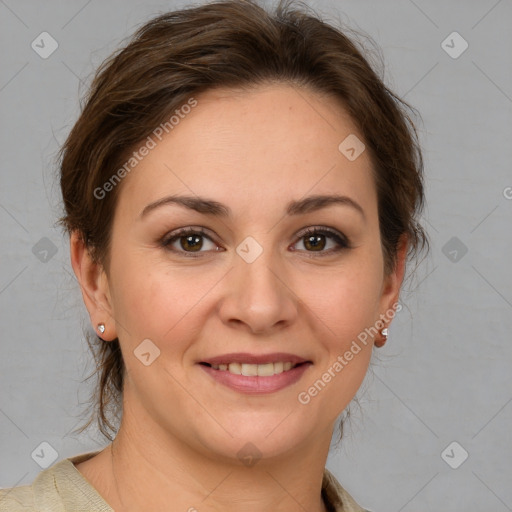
(249, 268)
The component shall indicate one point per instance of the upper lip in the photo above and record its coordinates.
(246, 358)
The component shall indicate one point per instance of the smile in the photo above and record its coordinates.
(255, 370)
(256, 379)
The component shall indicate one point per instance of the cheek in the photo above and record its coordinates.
(340, 311)
(343, 302)
(155, 301)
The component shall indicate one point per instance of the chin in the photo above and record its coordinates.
(257, 435)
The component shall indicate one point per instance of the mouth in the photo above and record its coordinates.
(256, 374)
(255, 370)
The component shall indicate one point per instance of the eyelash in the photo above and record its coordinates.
(338, 238)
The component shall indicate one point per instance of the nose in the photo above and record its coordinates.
(257, 297)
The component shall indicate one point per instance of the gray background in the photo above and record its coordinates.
(445, 374)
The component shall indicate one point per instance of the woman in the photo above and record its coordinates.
(241, 193)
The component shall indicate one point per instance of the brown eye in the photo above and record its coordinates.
(189, 241)
(322, 241)
(314, 242)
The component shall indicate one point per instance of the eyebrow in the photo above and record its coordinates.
(210, 207)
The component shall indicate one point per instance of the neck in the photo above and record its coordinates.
(151, 469)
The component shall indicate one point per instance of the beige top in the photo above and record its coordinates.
(62, 488)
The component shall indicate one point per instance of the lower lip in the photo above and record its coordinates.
(257, 385)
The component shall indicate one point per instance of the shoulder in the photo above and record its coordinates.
(60, 488)
(337, 498)
(42, 494)
(17, 499)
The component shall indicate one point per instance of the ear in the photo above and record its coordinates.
(94, 285)
(393, 282)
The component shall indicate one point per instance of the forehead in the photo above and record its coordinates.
(241, 147)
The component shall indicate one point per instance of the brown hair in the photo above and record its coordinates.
(233, 44)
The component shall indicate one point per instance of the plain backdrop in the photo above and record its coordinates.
(438, 392)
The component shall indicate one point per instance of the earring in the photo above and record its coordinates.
(382, 341)
(101, 328)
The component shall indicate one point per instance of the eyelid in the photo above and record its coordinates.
(185, 231)
(321, 230)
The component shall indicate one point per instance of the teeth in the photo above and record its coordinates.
(278, 367)
(265, 370)
(253, 370)
(249, 370)
(235, 368)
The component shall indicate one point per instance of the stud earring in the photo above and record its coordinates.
(101, 328)
(381, 342)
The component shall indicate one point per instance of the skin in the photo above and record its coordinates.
(181, 430)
